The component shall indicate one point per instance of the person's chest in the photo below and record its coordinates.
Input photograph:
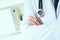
(48, 10)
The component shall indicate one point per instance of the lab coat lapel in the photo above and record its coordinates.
(48, 11)
(58, 11)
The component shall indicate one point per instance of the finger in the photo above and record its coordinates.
(38, 18)
(40, 21)
(31, 22)
(34, 20)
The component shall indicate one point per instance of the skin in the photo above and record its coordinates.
(35, 21)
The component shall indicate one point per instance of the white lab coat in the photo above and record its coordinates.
(45, 31)
(32, 6)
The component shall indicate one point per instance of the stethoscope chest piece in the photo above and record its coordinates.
(41, 13)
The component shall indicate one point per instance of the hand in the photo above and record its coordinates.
(35, 21)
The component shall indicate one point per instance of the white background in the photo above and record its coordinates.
(7, 26)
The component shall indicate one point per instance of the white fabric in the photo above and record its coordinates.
(42, 32)
(32, 6)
